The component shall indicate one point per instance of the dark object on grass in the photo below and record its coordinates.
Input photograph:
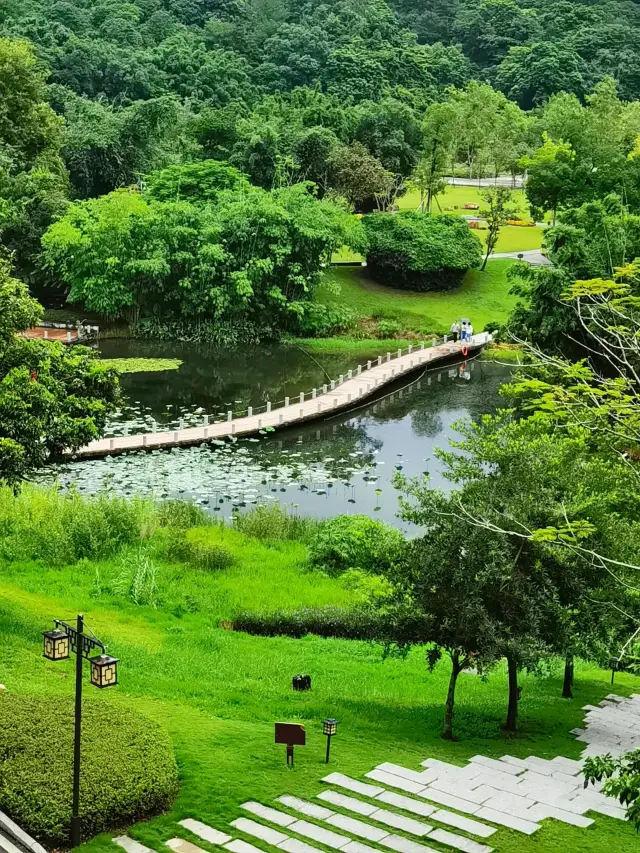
(301, 682)
(291, 734)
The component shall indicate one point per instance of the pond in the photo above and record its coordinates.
(343, 465)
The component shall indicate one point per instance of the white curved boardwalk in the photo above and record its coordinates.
(338, 396)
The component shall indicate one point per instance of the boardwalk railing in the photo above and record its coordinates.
(339, 394)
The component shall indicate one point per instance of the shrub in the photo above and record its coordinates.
(138, 580)
(128, 768)
(322, 321)
(415, 251)
(357, 624)
(356, 542)
(62, 528)
(205, 551)
(275, 523)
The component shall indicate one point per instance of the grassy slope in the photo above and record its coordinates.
(219, 692)
(484, 296)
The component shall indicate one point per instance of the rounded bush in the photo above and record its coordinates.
(205, 550)
(356, 542)
(129, 770)
(415, 251)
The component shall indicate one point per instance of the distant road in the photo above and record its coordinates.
(531, 256)
(501, 181)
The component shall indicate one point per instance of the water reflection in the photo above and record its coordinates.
(345, 465)
(214, 381)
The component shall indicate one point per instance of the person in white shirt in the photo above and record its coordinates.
(469, 331)
(455, 330)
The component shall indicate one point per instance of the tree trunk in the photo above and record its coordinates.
(512, 711)
(447, 734)
(567, 692)
(484, 263)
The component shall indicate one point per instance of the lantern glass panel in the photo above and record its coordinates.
(56, 645)
(104, 671)
(330, 726)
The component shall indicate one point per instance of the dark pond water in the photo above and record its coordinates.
(345, 465)
(215, 381)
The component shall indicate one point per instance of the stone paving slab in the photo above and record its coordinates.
(540, 812)
(473, 827)
(500, 781)
(207, 833)
(309, 809)
(459, 843)
(130, 844)
(495, 765)
(357, 827)
(257, 830)
(406, 824)
(182, 846)
(520, 824)
(240, 846)
(354, 785)
(348, 803)
(404, 845)
(294, 845)
(408, 804)
(359, 847)
(511, 805)
(318, 833)
(450, 801)
(455, 789)
(396, 781)
(422, 777)
(273, 816)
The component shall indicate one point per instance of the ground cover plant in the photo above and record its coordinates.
(123, 750)
(141, 365)
(218, 692)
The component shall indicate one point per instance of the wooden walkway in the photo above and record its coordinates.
(341, 395)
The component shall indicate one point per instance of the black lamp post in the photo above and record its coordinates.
(104, 673)
(329, 728)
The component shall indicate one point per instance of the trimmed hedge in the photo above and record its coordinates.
(361, 624)
(356, 542)
(129, 771)
(416, 251)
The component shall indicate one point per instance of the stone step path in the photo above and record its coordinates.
(613, 726)
(341, 395)
(474, 799)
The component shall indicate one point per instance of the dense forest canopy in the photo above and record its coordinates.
(350, 98)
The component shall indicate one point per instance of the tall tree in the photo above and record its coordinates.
(497, 213)
(549, 176)
(33, 182)
(439, 131)
(52, 399)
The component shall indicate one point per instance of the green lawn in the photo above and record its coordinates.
(453, 200)
(513, 238)
(218, 692)
(484, 297)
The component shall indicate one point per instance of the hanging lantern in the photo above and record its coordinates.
(56, 645)
(104, 671)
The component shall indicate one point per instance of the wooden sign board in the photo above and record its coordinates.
(292, 734)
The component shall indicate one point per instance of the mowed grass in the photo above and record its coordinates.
(453, 199)
(513, 238)
(219, 692)
(483, 297)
